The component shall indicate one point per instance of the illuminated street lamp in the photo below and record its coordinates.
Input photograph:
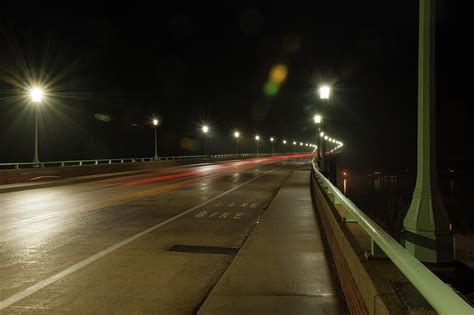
(317, 119)
(236, 136)
(36, 97)
(324, 96)
(324, 92)
(294, 146)
(205, 130)
(271, 140)
(155, 124)
(257, 138)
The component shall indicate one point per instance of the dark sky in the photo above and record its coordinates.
(192, 63)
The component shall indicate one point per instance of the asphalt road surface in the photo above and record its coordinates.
(104, 246)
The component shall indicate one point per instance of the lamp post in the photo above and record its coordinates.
(324, 96)
(273, 149)
(36, 97)
(205, 130)
(426, 231)
(317, 121)
(294, 146)
(284, 145)
(257, 138)
(236, 136)
(155, 124)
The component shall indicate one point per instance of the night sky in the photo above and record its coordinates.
(110, 70)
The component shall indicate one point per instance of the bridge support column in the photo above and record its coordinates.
(426, 231)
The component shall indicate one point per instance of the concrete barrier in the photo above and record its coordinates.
(369, 284)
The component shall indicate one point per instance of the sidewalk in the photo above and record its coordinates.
(282, 267)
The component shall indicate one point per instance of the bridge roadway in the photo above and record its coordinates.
(104, 246)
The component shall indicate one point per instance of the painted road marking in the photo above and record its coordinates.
(113, 201)
(233, 204)
(40, 285)
(219, 215)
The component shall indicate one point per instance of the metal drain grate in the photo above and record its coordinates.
(204, 249)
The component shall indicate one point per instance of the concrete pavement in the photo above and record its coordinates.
(104, 246)
(282, 268)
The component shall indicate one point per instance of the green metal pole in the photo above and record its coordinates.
(319, 143)
(426, 226)
(156, 144)
(36, 158)
(323, 144)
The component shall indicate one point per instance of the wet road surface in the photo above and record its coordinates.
(104, 246)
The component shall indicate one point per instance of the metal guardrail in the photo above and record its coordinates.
(26, 165)
(439, 295)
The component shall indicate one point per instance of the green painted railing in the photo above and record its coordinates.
(443, 298)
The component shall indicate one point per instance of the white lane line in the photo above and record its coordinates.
(38, 286)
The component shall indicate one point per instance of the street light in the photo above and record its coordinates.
(205, 130)
(257, 138)
(294, 146)
(317, 119)
(36, 94)
(324, 92)
(271, 140)
(236, 136)
(155, 124)
(324, 96)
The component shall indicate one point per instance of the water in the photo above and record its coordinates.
(386, 198)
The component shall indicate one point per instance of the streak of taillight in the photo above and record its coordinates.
(212, 169)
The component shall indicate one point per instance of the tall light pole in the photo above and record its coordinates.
(284, 145)
(236, 136)
(205, 130)
(273, 149)
(294, 146)
(317, 120)
(155, 125)
(36, 97)
(426, 231)
(324, 96)
(257, 138)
